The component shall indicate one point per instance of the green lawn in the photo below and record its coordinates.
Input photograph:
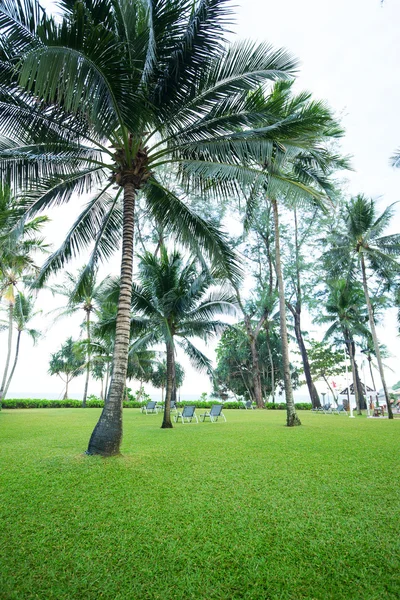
(243, 509)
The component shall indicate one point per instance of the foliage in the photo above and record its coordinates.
(234, 363)
(345, 311)
(143, 88)
(140, 396)
(68, 362)
(325, 362)
(159, 375)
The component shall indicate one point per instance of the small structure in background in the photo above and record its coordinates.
(347, 394)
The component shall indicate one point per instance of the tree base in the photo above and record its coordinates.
(166, 425)
(106, 437)
(293, 421)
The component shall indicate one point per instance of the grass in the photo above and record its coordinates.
(245, 509)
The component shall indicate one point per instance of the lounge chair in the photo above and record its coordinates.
(340, 410)
(248, 405)
(151, 407)
(326, 409)
(173, 406)
(214, 413)
(187, 413)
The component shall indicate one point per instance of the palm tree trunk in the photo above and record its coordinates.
(10, 335)
(375, 338)
(87, 360)
(363, 404)
(167, 424)
(107, 379)
(14, 365)
(292, 418)
(370, 371)
(107, 435)
(162, 393)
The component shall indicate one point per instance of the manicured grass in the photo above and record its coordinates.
(244, 509)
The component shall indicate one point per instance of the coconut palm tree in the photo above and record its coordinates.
(344, 313)
(296, 171)
(159, 376)
(365, 252)
(24, 312)
(17, 265)
(83, 292)
(175, 303)
(105, 98)
(67, 363)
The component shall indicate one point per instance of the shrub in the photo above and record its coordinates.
(233, 405)
(133, 404)
(275, 405)
(197, 403)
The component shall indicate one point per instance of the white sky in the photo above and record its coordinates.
(349, 52)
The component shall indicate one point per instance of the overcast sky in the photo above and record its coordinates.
(349, 56)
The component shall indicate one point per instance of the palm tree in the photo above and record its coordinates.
(24, 312)
(365, 249)
(17, 266)
(174, 304)
(344, 309)
(144, 85)
(159, 376)
(296, 171)
(83, 293)
(67, 363)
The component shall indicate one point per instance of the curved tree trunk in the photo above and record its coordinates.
(66, 389)
(271, 363)
(255, 364)
(106, 384)
(350, 347)
(370, 371)
(329, 386)
(375, 337)
(314, 396)
(167, 424)
(9, 347)
(14, 364)
(292, 418)
(363, 404)
(87, 360)
(107, 435)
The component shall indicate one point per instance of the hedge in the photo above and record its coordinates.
(97, 403)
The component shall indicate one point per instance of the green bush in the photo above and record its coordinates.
(275, 405)
(303, 406)
(197, 403)
(233, 405)
(133, 404)
(94, 402)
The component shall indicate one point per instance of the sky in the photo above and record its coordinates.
(349, 56)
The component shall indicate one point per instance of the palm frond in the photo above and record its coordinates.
(199, 360)
(190, 229)
(100, 221)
